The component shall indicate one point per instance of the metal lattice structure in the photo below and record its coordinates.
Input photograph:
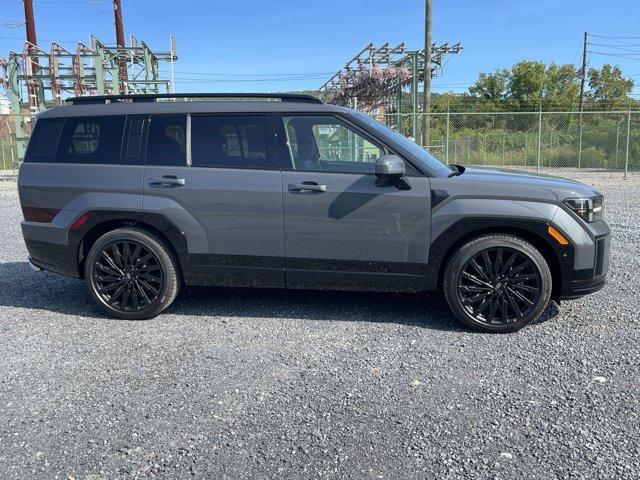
(36, 79)
(376, 76)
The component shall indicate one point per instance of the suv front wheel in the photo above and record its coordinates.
(131, 274)
(497, 283)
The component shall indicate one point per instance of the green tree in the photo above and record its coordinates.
(608, 88)
(561, 86)
(491, 86)
(526, 83)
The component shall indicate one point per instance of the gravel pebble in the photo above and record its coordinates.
(266, 383)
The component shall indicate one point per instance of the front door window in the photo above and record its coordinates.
(327, 144)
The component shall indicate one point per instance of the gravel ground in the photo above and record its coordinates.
(261, 383)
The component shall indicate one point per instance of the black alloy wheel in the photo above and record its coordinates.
(497, 283)
(128, 276)
(499, 286)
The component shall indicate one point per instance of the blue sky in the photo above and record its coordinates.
(266, 39)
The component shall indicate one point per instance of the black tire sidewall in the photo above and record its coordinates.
(473, 247)
(167, 262)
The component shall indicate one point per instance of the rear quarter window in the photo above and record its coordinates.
(91, 140)
(44, 140)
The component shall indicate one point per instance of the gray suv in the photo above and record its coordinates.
(140, 194)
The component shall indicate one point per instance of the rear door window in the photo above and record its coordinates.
(91, 140)
(230, 141)
(44, 141)
(167, 141)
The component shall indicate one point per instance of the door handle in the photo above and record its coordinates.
(167, 180)
(307, 187)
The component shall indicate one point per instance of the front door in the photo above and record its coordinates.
(344, 227)
(223, 190)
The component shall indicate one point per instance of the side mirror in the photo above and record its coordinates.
(390, 166)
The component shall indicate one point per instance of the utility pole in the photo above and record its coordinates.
(426, 100)
(30, 27)
(584, 70)
(122, 61)
(29, 22)
(582, 80)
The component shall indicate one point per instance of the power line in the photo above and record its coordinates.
(625, 48)
(60, 2)
(207, 74)
(244, 80)
(604, 36)
(614, 45)
(618, 55)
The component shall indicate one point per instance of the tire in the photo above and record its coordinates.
(132, 274)
(497, 296)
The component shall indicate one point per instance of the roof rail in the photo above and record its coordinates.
(283, 97)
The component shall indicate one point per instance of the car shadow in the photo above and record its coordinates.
(22, 287)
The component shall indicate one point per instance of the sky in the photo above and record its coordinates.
(283, 45)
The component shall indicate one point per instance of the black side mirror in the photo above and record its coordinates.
(392, 168)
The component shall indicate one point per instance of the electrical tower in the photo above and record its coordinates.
(36, 79)
(375, 78)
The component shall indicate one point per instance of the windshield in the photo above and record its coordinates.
(418, 153)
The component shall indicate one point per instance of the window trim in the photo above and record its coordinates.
(187, 139)
(270, 144)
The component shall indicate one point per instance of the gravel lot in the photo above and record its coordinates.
(261, 383)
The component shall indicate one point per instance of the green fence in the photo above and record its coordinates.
(603, 140)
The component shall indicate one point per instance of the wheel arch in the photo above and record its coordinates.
(443, 248)
(101, 222)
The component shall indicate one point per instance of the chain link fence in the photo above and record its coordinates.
(8, 149)
(588, 140)
(8, 154)
(593, 140)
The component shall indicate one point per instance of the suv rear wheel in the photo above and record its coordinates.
(131, 274)
(497, 283)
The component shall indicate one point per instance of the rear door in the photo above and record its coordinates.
(344, 227)
(216, 177)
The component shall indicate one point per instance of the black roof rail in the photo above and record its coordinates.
(152, 97)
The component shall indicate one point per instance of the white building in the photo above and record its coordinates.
(5, 105)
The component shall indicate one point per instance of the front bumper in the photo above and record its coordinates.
(577, 283)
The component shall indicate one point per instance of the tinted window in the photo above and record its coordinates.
(326, 143)
(229, 141)
(42, 147)
(167, 140)
(132, 154)
(93, 140)
(419, 154)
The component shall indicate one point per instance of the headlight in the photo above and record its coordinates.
(589, 209)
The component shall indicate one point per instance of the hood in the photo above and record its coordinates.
(518, 185)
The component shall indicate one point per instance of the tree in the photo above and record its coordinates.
(491, 86)
(608, 88)
(561, 86)
(526, 83)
